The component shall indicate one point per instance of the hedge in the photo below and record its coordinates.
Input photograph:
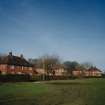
(14, 78)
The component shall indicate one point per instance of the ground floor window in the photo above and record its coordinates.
(3, 73)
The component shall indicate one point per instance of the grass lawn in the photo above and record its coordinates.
(64, 92)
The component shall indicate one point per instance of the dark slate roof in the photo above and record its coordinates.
(15, 60)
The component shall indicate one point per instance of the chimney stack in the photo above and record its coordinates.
(10, 53)
(21, 56)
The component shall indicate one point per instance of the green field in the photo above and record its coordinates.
(68, 92)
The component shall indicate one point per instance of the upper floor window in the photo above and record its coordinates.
(12, 67)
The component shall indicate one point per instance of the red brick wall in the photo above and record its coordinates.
(11, 69)
(3, 68)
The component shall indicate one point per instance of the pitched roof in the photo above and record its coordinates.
(15, 60)
(94, 69)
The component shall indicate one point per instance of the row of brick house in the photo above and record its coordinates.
(91, 72)
(11, 64)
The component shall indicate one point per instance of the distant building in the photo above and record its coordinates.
(91, 72)
(77, 73)
(56, 71)
(11, 64)
(59, 70)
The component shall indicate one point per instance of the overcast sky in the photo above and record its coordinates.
(72, 29)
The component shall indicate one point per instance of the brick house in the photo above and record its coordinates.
(57, 70)
(11, 64)
(40, 71)
(60, 71)
(77, 73)
(91, 72)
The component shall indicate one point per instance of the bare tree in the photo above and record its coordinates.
(48, 63)
(87, 65)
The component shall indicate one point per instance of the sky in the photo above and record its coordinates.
(72, 29)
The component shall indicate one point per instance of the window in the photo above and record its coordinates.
(22, 67)
(3, 67)
(30, 68)
(12, 67)
(12, 72)
(19, 73)
(30, 74)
